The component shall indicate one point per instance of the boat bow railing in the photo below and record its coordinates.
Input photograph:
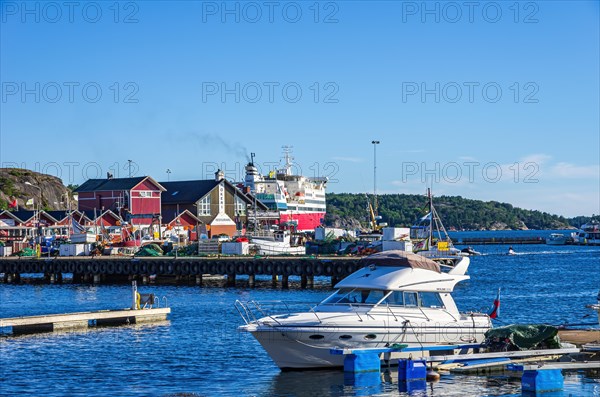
(252, 311)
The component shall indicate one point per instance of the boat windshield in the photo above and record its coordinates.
(355, 296)
(390, 298)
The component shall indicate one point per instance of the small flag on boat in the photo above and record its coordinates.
(77, 228)
(29, 202)
(495, 309)
(422, 245)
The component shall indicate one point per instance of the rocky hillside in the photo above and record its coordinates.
(13, 185)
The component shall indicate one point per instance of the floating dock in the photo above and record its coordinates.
(363, 365)
(83, 320)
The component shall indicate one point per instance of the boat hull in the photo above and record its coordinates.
(305, 220)
(294, 349)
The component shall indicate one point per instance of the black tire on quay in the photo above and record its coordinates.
(273, 269)
(239, 268)
(169, 268)
(204, 268)
(318, 269)
(231, 268)
(308, 269)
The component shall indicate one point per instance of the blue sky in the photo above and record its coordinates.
(490, 101)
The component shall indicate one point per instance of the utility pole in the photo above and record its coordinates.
(375, 209)
(129, 165)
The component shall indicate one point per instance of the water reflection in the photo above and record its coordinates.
(337, 384)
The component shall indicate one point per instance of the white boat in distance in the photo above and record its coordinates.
(397, 297)
(588, 234)
(556, 239)
(280, 242)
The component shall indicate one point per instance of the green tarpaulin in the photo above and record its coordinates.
(150, 250)
(524, 337)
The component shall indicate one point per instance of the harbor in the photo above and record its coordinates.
(189, 335)
(391, 315)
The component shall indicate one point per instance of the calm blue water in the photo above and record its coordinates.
(199, 351)
(507, 233)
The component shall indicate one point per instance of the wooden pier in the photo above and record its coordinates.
(190, 269)
(83, 320)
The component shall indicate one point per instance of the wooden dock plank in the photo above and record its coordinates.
(82, 316)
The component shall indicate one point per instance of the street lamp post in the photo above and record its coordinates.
(129, 165)
(375, 143)
(168, 175)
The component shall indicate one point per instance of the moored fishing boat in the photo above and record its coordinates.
(431, 240)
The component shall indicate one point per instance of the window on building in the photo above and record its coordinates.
(240, 206)
(204, 206)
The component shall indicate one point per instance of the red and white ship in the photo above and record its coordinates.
(299, 200)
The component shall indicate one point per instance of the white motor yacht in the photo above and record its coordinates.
(556, 239)
(588, 234)
(396, 298)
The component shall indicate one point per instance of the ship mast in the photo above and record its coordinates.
(431, 215)
(437, 221)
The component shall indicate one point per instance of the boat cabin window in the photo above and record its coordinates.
(395, 298)
(431, 299)
(355, 296)
(410, 299)
(414, 299)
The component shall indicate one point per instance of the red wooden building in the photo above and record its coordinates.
(136, 200)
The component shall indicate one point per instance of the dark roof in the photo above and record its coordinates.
(169, 216)
(58, 215)
(189, 192)
(93, 185)
(10, 213)
(398, 258)
(186, 191)
(23, 215)
(90, 214)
